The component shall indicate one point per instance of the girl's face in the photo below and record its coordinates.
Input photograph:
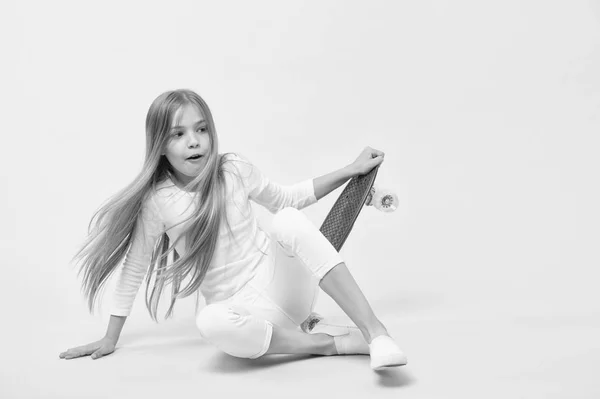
(188, 138)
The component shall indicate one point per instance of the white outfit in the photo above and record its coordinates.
(255, 279)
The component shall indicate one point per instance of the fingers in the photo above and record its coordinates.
(101, 353)
(374, 153)
(377, 157)
(77, 352)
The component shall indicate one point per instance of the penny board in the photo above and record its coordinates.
(339, 221)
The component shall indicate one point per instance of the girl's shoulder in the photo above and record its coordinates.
(236, 162)
(233, 158)
(159, 195)
(150, 210)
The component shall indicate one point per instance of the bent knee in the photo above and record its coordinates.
(234, 330)
(212, 319)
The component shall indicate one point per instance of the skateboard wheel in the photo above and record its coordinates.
(382, 199)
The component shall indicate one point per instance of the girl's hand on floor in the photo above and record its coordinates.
(367, 160)
(97, 349)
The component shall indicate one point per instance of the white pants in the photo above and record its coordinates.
(282, 293)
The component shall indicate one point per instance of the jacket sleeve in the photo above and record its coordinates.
(271, 195)
(149, 228)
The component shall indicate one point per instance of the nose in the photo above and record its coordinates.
(193, 141)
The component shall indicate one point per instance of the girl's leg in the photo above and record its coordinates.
(234, 330)
(341, 286)
(294, 341)
(284, 292)
(308, 246)
(240, 331)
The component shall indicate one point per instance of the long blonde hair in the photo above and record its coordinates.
(113, 226)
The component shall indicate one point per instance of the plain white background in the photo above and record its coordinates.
(488, 113)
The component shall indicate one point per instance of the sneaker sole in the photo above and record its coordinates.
(390, 361)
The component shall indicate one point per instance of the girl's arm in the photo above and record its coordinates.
(325, 184)
(367, 160)
(115, 326)
(271, 195)
(150, 227)
(104, 346)
(135, 266)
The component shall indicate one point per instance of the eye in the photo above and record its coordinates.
(201, 129)
(178, 134)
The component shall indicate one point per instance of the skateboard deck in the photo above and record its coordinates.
(339, 221)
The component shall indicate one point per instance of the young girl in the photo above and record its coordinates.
(260, 288)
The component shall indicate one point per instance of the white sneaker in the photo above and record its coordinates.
(385, 353)
(348, 339)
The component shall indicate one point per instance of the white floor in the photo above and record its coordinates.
(501, 314)
(458, 347)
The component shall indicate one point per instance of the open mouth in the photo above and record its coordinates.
(194, 157)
